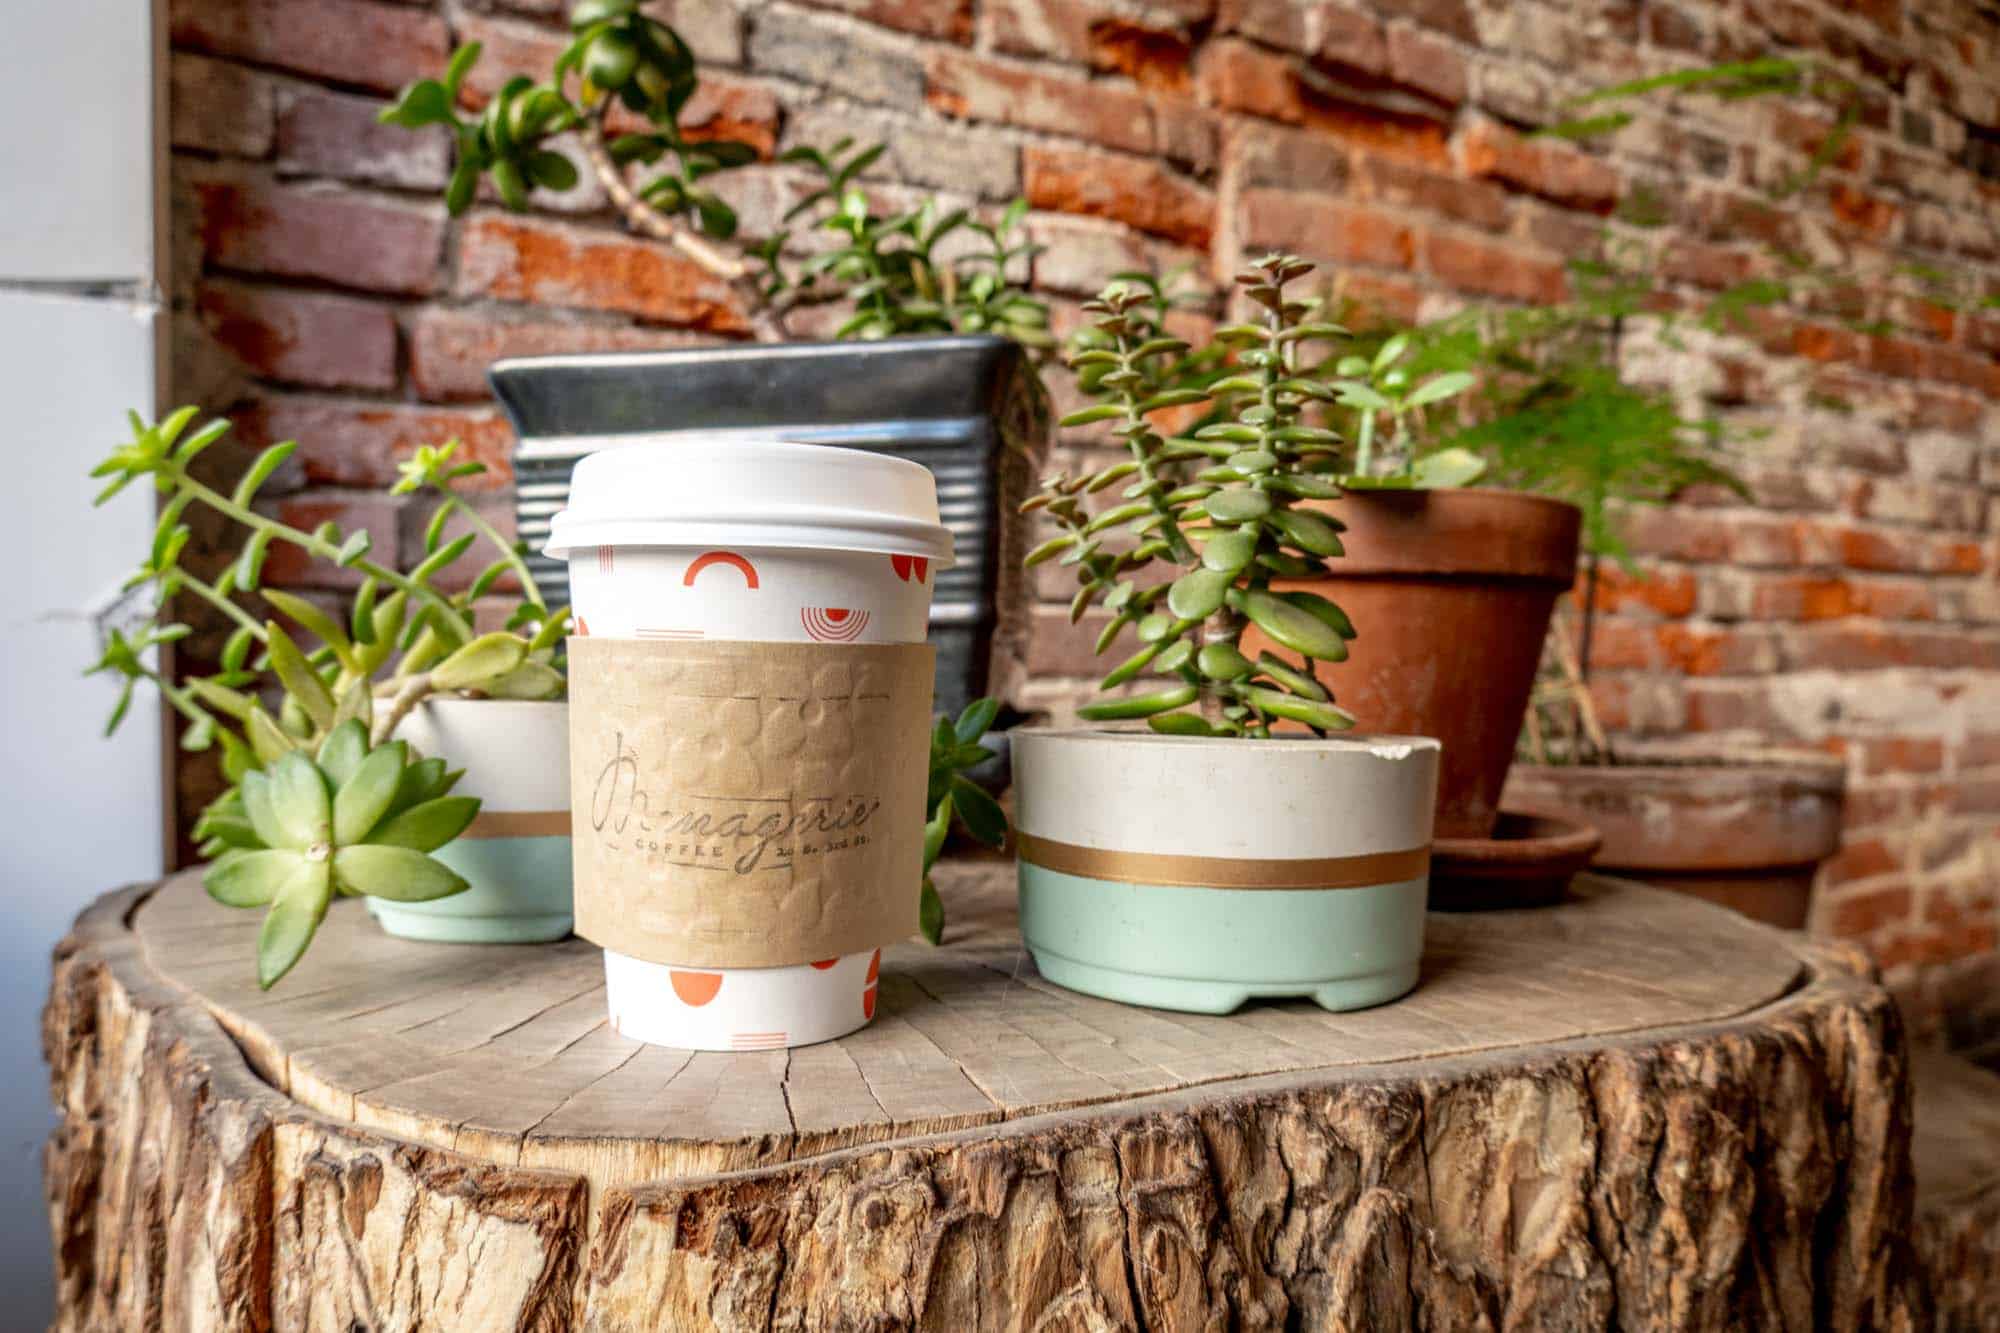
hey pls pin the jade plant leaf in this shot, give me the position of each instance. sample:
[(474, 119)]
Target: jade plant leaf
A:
[(1294, 627)]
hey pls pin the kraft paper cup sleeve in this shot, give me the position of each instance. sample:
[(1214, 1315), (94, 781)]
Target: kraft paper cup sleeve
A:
[(747, 804)]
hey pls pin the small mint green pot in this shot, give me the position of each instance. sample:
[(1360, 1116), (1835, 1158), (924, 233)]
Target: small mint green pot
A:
[(1198, 874), (516, 854)]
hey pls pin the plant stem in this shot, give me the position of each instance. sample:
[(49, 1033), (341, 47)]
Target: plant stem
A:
[(414, 691), (766, 319), (506, 548), (255, 521), (207, 592)]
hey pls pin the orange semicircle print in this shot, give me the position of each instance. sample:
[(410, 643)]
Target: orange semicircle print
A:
[(730, 558), (696, 988)]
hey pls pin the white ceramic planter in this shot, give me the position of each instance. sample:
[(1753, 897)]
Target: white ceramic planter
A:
[(516, 854), (1196, 874)]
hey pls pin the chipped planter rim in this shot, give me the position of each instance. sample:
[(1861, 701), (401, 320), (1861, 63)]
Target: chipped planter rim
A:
[(699, 490), (1198, 874), (759, 542)]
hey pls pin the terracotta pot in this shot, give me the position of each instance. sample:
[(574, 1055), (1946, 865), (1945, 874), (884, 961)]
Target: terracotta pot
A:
[(1450, 593), (1743, 828)]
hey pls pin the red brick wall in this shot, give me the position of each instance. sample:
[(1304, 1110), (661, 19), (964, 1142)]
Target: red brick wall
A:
[(325, 295)]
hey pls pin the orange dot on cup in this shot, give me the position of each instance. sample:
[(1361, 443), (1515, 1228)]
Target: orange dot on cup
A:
[(696, 988)]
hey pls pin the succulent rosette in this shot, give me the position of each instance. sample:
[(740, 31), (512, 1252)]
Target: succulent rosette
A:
[(347, 821)]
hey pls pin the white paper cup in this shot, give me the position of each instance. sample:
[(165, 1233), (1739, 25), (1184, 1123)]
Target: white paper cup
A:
[(792, 543)]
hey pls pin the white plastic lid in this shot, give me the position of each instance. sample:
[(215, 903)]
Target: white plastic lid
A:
[(698, 490)]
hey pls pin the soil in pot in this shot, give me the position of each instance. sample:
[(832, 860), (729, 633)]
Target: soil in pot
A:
[(1197, 874), (1744, 828), (1450, 593)]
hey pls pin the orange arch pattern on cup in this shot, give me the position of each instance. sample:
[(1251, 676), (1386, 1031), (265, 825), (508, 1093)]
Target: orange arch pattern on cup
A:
[(730, 558), (870, 986), (909, 567), (823, 966), (833, 624), (696, 989)]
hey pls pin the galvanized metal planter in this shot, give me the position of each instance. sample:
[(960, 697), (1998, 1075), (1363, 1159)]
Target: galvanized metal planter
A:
[(971, 409)]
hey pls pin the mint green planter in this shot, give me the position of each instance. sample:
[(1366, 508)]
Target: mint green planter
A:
[(1198, 874), (516, 855)]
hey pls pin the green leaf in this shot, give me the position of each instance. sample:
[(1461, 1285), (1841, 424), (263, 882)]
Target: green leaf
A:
[(976, 720), (366, 795), (302, 684), (425, 102), (979, 812), (930, 912), (425, 780), (1131, 666), (1439, 387), (251, 878), (1237, 504), (268, 740), (511, 184), (1049, 550), (1229, 552), (1293, 628), (1448, 467), (293, 919), (1307, 531), (1222, 661), (427, 826), (530, 680), (398, 874), (1085, 416), (1290, 677), (1198, 594), (1312, 712), (1324, 611), (313, 619), (342, 752), (484, 659), (1144, 705), (458, 194), (261, 468), (300, 805), (1181, 724), (462, 61)]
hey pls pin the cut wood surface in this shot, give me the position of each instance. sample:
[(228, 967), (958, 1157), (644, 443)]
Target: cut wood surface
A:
[(1629, 1110)]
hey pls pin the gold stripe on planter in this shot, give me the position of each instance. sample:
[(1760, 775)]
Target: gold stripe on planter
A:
[(1223, 872), (518, 824)]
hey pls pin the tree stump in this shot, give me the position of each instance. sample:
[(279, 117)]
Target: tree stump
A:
[(1632, 1110)]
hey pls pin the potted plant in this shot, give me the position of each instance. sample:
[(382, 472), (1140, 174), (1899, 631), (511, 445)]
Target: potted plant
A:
[(1206, 858), (372, 698), (934, 359)]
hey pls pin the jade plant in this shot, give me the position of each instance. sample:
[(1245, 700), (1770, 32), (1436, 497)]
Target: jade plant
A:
[(1227, 508), (623, 86), (950, 795), (340, 693)]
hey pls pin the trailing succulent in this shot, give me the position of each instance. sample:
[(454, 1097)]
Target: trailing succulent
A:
[(623, 86), (347, 819), (348, 685), (1233, 505)]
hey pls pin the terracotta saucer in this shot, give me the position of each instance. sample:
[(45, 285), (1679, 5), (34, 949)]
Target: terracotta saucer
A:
[(1527, 862)]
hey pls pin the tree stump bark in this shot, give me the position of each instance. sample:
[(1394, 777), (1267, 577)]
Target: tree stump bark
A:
[(1632, 1110)]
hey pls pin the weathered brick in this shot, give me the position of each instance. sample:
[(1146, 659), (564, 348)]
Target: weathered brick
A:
[(1476, 265), (919, 152), (347, 443), (451, 349), (1552, 170), (1405, 185), (303, 337), (1314, 225), (218, 107), (518, 259), (1290, 159), (1851, 914), (378, 515), (975, 88), (866, 66), (947, 19), (1131, 190), (322, 133), (359, 42), (1081, 254), (313, 232), (1429, 64)]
